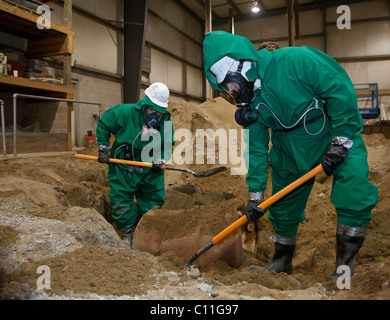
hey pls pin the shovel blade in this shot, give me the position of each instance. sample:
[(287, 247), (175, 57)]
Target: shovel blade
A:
[(209, 173)]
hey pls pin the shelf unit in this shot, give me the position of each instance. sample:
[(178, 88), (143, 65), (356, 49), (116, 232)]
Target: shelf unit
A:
[(21, 22)]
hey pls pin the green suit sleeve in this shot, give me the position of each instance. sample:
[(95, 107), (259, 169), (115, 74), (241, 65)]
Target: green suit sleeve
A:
[(107, 124), (329, 81), (256, 156)]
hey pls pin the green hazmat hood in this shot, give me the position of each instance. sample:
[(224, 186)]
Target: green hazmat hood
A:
[(218, 44), (146, 101)]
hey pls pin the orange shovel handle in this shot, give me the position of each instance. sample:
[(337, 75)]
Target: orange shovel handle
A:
[(113, 160), (312, 173)]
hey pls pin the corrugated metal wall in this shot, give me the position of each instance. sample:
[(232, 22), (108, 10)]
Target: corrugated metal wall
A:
[(175, 37)]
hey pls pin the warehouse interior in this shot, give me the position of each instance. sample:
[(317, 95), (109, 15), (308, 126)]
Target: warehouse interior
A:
[(65, 62), (91, 56)]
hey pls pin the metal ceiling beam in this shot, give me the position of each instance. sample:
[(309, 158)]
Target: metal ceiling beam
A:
[(234, 6), (261, 6), (202, 4), (327, 4), (189, 11), (94, 17), (281, 11)]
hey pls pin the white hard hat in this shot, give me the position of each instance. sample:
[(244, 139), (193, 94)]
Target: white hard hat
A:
[(158, 93), (226, 64)]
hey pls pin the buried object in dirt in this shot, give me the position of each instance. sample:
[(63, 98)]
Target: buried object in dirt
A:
[(182, 231), (202, 174), (265, 204)]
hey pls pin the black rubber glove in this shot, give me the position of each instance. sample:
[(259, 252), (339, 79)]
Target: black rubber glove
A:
[(157, 166), (334, 156), (253, 212), (104, 154)]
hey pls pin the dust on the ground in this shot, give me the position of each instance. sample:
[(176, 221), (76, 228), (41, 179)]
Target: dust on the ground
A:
[(54, 212)]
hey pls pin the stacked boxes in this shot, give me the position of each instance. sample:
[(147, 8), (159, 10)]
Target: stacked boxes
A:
[(3, 63), (39, 70)]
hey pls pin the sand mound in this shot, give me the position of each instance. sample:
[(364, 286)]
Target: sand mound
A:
[(54, 211)]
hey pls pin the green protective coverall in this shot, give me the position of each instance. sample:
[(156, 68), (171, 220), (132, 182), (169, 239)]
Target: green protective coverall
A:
[(125, 122), (291, 80)]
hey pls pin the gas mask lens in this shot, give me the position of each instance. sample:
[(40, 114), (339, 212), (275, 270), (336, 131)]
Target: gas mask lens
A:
[(231, 88), (241, 89)]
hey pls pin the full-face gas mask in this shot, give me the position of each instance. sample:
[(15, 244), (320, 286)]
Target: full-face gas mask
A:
[(150, 118), (242, 93)]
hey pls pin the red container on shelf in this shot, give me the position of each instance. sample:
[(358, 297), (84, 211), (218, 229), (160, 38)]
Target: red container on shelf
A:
[(15, 65)]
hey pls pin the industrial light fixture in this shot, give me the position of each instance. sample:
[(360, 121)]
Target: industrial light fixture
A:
[(255, 7)]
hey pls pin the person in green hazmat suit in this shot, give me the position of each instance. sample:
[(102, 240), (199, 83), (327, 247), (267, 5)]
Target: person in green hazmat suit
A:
[(143, 132), (304, 102)]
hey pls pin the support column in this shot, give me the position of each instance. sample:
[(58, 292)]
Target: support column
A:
[(67, 72), (208, 28), (135, 19), (290, 19), (324, 30), (296, 20), (231, 21), (67, 57)]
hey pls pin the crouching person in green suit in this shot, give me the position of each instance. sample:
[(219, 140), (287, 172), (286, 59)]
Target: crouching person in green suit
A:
[(143, 132)]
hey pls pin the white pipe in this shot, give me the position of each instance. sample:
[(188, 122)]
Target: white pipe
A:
[(383, 112), (18, 95)]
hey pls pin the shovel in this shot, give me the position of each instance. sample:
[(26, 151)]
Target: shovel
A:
[(263, 205), (201, 174)]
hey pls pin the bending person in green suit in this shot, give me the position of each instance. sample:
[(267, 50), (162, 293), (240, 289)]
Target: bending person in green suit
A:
[(308, 101), (143, 132)]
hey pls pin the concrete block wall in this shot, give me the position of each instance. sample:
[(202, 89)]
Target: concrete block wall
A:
[(50, 116), (91, 89)]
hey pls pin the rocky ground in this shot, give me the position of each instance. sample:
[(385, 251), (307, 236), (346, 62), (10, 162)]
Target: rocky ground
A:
[(54, 212)]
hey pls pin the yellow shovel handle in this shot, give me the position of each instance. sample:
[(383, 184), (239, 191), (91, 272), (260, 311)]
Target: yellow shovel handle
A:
[(312, 173), (113, 160)]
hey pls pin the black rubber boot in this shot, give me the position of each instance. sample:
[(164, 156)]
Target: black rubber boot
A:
[(349, 241), (281, 261)]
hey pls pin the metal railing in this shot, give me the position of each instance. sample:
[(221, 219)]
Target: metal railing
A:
[(27, 96), (368, 103)]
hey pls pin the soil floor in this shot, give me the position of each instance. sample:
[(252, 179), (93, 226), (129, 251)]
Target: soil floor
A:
[(54, 212)]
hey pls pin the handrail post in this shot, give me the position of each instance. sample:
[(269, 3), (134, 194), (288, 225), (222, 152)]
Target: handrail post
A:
[(3, 129)]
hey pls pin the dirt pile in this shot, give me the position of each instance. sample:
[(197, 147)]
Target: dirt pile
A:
[(54, 212)]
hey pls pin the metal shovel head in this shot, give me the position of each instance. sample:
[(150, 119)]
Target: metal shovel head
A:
[(210, 172)]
